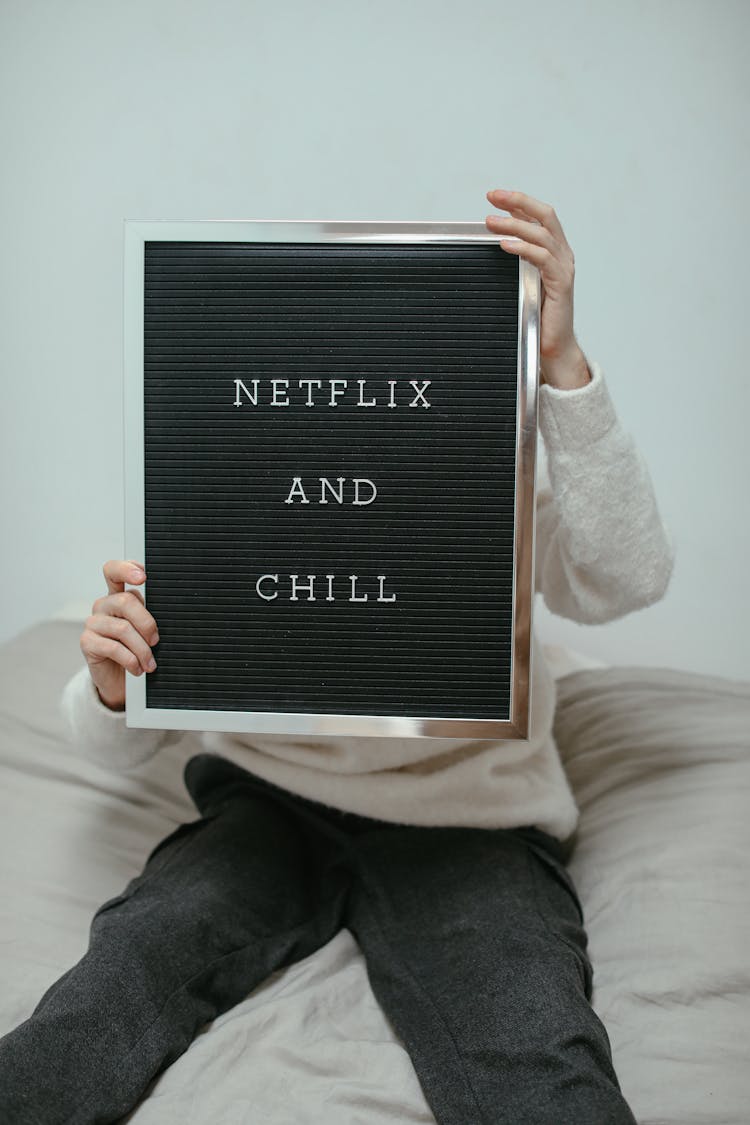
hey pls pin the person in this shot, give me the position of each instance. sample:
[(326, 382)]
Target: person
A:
[(446, 859)]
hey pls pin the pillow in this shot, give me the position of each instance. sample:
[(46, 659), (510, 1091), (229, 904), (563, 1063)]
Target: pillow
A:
[(659, 762)]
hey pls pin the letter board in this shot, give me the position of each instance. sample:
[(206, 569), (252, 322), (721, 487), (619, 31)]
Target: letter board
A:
[(330, 434)]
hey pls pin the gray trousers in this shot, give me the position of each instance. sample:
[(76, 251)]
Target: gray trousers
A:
[(474, 943)]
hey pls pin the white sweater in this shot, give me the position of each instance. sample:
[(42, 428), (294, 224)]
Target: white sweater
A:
[(602, 551)]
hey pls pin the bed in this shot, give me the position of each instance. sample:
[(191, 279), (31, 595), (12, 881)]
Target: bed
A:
[(659, 760)]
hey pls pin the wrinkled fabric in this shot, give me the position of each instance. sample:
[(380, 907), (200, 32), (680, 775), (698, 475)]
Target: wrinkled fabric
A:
[(474, 942)]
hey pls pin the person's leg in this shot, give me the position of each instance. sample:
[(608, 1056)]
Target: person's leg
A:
[(221, 903), (475, 948)]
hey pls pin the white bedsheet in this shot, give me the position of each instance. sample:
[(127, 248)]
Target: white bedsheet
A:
[(660, 765)]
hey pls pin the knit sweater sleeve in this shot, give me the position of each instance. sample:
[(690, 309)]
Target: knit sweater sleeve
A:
[(100, 734), (602, 549)]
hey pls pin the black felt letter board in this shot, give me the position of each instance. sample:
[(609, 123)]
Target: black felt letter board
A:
[(225, 478)]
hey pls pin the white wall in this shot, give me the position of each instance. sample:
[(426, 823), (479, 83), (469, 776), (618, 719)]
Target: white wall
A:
[(631, 118)]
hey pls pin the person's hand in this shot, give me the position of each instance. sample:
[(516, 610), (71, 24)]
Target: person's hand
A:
[(541, 241), (119, 633)]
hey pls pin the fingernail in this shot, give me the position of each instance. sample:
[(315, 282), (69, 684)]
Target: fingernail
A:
[(151, 665), (155, 639), (136, 574)]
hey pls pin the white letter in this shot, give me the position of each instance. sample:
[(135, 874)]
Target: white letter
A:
[(325, 481), (293, 489), (259, 592), (309, 382), (276, 391), (425, 383), (381, 578), (309, 587), (392, 384), (354, 586), (254, 400), (343, 383), (361, 392), (363, 480), (329, 595)]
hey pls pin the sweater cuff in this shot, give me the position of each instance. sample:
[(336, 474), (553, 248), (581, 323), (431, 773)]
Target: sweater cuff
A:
[(80, 694), (82, 707), (574, 419), (102, 735), (98, 732)]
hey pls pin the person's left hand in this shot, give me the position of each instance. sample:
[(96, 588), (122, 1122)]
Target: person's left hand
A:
[(539, 238)]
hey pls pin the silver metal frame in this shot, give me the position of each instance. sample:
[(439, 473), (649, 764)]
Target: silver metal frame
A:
[(137, 233)]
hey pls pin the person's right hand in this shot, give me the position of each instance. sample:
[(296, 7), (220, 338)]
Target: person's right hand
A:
[(119, 633)]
